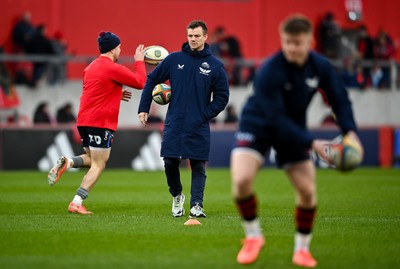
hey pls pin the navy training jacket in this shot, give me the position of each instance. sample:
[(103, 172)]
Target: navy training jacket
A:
[(283, 92), (200, 91)]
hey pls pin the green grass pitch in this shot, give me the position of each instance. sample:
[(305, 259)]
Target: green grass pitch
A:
[(357, 225)]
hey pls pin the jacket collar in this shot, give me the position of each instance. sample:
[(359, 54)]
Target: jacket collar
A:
[(203, 53)]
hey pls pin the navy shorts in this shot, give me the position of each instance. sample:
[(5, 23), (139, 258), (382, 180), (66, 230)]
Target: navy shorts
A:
[(96, 137), (285, 152)]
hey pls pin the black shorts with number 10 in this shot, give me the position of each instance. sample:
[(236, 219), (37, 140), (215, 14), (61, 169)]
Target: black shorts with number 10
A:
[(96, 137)]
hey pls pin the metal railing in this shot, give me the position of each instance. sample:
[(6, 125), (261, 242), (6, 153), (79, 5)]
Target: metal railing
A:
[(242, 63)]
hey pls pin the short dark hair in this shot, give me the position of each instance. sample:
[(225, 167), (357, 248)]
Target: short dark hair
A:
[(296, 24), (198, 23)]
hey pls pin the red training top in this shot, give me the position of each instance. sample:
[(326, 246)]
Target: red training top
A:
[(102, 91)]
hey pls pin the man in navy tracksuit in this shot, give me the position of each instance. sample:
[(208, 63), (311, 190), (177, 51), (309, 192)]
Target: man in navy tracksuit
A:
[(275, 116), (200, 91)]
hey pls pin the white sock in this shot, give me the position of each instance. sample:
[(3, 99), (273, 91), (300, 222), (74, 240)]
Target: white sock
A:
[(70, 163), (77, 200), (302, 241), (252, 228)]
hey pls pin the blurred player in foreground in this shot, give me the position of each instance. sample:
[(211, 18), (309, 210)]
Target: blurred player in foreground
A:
[(275, 116), (200, 91), (98, 113)]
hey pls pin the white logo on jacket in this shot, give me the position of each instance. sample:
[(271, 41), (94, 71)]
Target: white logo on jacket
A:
[(204, 71), (205, 65), (180, 66), (312, 82)]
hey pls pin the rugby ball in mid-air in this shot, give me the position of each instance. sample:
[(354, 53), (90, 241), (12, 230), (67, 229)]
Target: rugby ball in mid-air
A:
[(155, 54), (162, 94), (346, 153)]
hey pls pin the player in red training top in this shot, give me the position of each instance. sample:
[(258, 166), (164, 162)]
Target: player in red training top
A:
[(98, 113)]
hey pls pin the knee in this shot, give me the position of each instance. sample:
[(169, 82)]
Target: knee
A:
[(170, 163), (307, 195), (242, 179), (100, 166), (243, 182), (242, 185), (198, 168)]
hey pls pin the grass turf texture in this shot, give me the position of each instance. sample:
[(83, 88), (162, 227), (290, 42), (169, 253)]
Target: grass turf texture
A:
[(357, 226)]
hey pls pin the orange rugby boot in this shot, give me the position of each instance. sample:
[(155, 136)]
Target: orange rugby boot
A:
[(58, 169), (250, 250), (73, 208), (304, 258)]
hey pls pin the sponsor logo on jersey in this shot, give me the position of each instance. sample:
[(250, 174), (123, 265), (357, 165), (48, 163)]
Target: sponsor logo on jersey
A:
[(312, 82)]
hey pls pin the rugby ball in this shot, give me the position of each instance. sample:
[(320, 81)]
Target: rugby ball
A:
[(155, 54), (162, 94), (346, 153)]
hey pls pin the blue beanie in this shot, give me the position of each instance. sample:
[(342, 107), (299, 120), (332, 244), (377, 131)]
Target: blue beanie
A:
[(107, 41)]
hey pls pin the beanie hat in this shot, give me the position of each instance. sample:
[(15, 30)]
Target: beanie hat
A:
[(107, 41)]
